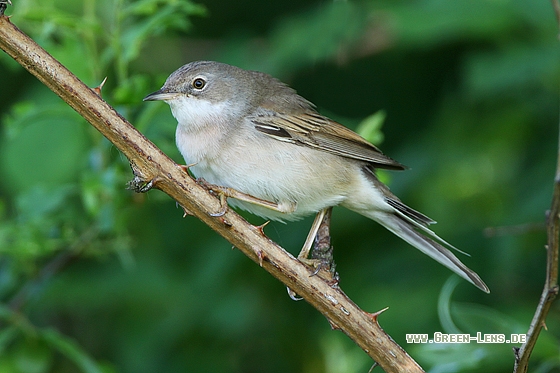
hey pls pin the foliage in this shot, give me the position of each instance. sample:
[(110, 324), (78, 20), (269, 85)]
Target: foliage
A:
[(96, 279)]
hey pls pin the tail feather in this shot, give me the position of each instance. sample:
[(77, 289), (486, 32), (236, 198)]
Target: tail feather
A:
[(407, 229), (412, 226), (419, 221)]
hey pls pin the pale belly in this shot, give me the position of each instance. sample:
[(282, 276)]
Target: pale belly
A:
[(285, 173)]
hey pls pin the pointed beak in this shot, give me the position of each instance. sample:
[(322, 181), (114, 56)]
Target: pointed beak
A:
[(161, 95)]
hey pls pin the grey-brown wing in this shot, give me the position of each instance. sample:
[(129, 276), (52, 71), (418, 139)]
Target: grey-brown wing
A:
[(317, 131)]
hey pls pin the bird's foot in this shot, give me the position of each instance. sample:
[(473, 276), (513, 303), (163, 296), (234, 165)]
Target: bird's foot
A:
[(223, 193)]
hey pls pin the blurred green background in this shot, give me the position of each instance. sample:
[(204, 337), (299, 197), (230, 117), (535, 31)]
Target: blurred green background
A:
[(94, 278)]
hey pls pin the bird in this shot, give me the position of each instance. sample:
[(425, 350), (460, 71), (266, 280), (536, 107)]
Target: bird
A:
[(269, 148)]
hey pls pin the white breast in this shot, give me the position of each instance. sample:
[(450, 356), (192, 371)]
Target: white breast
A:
[(201, 127), (233, 154)]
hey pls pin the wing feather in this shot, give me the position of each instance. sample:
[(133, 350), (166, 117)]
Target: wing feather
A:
[(316, 131)]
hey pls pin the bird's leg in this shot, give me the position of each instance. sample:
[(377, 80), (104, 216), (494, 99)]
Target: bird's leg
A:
[(224, 193), (321, 255), (140, 183), (322, 252), (304, 253)]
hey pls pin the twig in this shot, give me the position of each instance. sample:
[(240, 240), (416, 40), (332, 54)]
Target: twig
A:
[(46, 272), (514, 230), (550, 290), (151, 165), (556, 8)]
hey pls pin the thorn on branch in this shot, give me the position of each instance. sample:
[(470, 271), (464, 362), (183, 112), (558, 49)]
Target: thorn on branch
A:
[(185, 167), (375, 315), (186, 211), (225, 222), (99, 87), (333, 325), (260, 228)]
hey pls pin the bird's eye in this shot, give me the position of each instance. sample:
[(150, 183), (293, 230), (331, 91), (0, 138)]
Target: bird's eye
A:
[(198, 83)]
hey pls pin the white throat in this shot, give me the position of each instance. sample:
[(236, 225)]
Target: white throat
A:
[(195, 114), (202, 125)]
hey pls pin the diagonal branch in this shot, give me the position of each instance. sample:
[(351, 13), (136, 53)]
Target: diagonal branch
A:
[(152, 166), (550, 290)]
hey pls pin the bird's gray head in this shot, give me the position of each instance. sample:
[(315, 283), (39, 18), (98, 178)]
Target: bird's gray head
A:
[(209, 82)]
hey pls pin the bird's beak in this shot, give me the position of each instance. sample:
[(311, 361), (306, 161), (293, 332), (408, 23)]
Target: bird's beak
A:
[(161, 95)]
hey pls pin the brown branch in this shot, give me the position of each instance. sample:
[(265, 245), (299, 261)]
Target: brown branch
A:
[(550, 290), (556, 8), (150, 164)]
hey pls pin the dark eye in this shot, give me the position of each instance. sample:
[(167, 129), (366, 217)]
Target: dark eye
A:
[(198, 83)]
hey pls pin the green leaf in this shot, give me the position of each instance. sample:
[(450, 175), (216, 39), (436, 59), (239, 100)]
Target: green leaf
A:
[(31, 356), (169, 15), (39, 201), (370, 127), (49, 147)]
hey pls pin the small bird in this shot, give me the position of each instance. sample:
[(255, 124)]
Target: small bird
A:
[(254, 136)]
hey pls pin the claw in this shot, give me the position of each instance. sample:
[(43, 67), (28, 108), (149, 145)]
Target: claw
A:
[(218, 214), (214, 189), (141, 186), (335, 281), (321, 264), (293, 295), (373, 367), (223, 206)]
